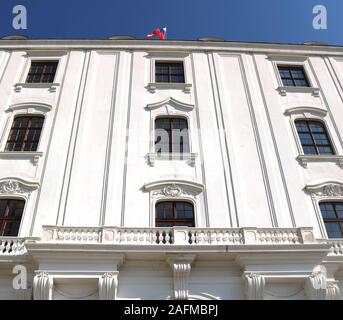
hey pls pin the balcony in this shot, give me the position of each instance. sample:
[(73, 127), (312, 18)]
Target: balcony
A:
[(11, 246), (169, 237)]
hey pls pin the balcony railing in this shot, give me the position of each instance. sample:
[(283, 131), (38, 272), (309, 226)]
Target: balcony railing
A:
[(10, 246), (178, 235), (336, 246)]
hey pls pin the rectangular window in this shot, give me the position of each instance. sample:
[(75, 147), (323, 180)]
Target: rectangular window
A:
[(293, 76), (332, 213), (25, 133), (171, 135), (11, 211), (314, 138), (169, 72), (42, 72)]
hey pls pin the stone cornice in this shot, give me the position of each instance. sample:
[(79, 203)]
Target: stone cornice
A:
[(170, 45)]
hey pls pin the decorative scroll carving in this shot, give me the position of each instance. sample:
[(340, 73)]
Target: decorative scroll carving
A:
[(326, 190), (12, 186), (332, 291), (255, 285), (181, 267), (173, 191), (316, 286), (108, 286), (42, 286)]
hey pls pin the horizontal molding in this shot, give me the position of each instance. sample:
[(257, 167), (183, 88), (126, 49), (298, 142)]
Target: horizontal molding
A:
[(304, 160), (153, 86), (285, 90), (190, 158), (50, 86), (23, 155), (306, 110)]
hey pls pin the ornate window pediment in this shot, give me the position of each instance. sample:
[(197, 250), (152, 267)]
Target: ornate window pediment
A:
[(16, 186), (327, 189), (174, 189), (32, 107), (306, 111), (171, 103)]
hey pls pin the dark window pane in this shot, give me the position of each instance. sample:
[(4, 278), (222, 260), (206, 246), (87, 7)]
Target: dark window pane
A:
[(332, 213), (169, 72), (313, 137), (24, 131), (175, 213), (42, 72), (11, 211), (171, 135), (293, 76)]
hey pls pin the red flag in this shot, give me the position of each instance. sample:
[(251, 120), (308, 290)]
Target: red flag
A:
[(157, 32)]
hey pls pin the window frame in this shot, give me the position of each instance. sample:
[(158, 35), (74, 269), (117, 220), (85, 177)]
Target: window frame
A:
[(30, 116), (326, 132), (42, 74), (169, 56), (294, 66), (174, 202), (14, 198), (59, 56), (338, 220), (314, 114), (171, 153), (170, 62)]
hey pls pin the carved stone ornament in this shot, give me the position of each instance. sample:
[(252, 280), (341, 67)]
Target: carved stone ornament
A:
[(173, 191), (181, 266), (316, 286), (332, 291), (108, 285), (42, 286), (255, 285), (15, 187), (328, 190)]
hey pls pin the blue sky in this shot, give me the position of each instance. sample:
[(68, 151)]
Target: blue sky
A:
[(284, 21)]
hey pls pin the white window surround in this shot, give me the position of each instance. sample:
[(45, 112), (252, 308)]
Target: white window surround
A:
[(299, 61), (13, 111), (169, 56), (32, 56), (173, 190), (324, 192), (173, 108), (18, 188), (316, 114)]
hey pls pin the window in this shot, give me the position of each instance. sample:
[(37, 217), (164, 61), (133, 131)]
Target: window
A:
[(174, 213), (169, 72), (332, 213), (42, 72), (293, 76), (25, 133), (314, 138), (171, 135), (11, 211)]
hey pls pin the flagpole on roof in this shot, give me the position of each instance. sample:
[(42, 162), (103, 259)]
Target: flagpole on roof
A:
[(165, 33)]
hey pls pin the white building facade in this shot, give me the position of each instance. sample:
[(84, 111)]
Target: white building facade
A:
[(247, 204)]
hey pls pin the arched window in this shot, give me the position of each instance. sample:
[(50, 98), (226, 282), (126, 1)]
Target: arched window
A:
[(332, 213), (174, 213), (171, 135), (11, 211), (25, 133), (314, 137)]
